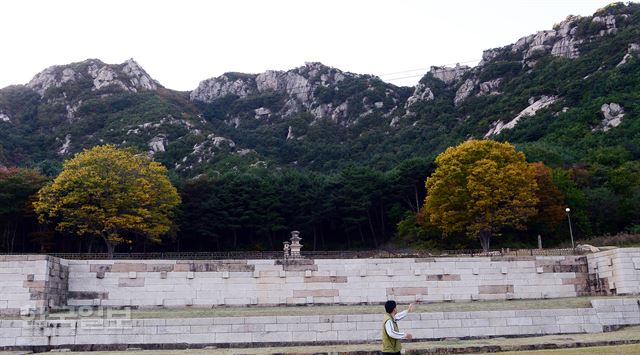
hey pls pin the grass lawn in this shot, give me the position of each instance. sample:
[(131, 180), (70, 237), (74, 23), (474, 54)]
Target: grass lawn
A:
[(615, 349), (626, 349), (431, 347), (196, 312)]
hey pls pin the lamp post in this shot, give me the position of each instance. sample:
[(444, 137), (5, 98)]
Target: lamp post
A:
[(570, 230)]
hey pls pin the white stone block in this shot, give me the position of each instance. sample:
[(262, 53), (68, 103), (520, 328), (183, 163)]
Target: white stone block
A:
[(519, 321), (449, 323), (270, 337), (475, 322), (320, 327), (197, 338), (30, 341), (330, 335), (439, 333), (482, 331), (352, 335), (7, 341), (592, 328), (234, 337), (571, 328)]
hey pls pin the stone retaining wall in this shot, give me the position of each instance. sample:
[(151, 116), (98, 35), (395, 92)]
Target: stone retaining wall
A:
[(38, 283), (120, 333), (615, 271), (34, 282), (150, 283)]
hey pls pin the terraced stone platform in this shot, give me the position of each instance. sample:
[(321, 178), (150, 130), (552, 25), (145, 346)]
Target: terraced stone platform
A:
[(286, 328)]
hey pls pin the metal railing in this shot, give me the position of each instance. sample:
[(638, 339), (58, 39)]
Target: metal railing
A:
[(351, 254)]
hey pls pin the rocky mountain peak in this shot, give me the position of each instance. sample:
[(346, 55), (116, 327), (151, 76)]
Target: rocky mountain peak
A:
[(320, 90), (298, 86), (563, 40), (297, 82), (128, 76)]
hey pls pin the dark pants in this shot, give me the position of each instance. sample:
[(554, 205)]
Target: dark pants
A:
[(398, 353)]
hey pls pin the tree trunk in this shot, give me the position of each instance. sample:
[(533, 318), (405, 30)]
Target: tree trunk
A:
[(373, 232), (485, 239), (90, 245), (5, 240), (346, 232), (110, 247), (23, 237), (315, 237), (235, 239), (415, 190), (384, 230), (13, 227)]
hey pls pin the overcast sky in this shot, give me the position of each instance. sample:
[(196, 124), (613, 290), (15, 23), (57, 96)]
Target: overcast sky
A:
[(181, 42)]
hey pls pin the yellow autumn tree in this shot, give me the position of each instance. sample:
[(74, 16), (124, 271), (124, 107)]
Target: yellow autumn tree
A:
[(478, 188), (110, 193)]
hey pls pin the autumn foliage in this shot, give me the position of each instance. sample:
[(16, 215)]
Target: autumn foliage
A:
[(480, 187), (110, 193)]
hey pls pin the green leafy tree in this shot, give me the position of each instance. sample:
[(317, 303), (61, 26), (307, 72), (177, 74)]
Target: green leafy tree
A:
[(575, 198), (112, 194), (480, 187)]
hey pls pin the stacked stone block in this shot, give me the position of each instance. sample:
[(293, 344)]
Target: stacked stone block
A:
[(615, 271), (32, 283), (613, 313), (150, 283), (39, 283), (313, 329)]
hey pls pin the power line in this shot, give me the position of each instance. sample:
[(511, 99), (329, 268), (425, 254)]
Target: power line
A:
[(427, 69), (405, 77)]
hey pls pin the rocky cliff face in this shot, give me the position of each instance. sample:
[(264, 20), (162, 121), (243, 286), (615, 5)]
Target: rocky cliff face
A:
[(128, 76), (564, 40), (313, 88), (295, 112), (65, 89)]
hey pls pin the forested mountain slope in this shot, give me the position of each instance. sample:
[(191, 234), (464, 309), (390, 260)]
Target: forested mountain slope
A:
[(567, 96)]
